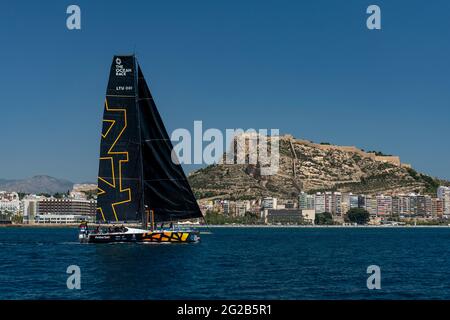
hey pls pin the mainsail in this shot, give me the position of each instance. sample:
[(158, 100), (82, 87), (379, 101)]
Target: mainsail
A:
[(136, 171)]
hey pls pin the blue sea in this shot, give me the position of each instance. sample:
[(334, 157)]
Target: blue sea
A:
[(230, 263)]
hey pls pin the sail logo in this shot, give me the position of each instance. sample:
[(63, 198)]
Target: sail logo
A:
[(115, 124), (121, 71), (251, 147)]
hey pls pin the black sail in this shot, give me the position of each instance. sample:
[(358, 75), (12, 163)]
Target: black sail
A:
[(167, 190), (136, 168), (119, 189)]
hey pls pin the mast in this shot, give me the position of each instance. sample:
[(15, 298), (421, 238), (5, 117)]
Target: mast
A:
[(144, 216)]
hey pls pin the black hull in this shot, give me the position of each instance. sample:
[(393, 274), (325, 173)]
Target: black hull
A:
[(151, 236)]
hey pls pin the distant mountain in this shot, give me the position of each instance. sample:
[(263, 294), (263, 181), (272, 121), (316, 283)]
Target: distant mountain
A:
[(311, 167), (36, 185)]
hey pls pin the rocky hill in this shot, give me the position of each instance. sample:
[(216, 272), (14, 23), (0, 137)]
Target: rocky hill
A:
[(36, 185), (311, 167)]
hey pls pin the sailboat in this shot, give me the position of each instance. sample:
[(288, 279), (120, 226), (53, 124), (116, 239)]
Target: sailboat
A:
[(139, 180)]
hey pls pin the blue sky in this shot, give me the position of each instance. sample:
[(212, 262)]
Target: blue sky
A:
[(309, 68)]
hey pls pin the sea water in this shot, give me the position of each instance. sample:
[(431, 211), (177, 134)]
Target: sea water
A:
[(230, 263)]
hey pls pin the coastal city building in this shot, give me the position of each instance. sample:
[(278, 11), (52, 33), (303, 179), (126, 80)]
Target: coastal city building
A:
[(306, 201), (242, 207), (437, 207), (269, 203), (384, 205), (309, 215), (10, 206), (371, 205), (443, 193), (319, 202), (353, 201), (283, 216), (30, 208), (328, 201), (77, 207), (65, 210), (289, 216)]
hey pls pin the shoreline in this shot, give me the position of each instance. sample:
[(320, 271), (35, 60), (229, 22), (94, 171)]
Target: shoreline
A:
[(237, 226)]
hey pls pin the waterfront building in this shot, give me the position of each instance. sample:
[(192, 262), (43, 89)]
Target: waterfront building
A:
[(269, 203), (336, 203), (437, 207), (285, 204), (30, 208), (306, 201), (353, 201), (443, 193), (418, 205), (361, 201), (51, 210), (428, 206), (10, 207), (401, 205), (384, 205), (329, 202), (289, 204), (242, 207), (62, 218), (345, 203), (284, 216), (404, 203), (309, 215), (371, 205), (227, 208), (319, 202), (395, 206)]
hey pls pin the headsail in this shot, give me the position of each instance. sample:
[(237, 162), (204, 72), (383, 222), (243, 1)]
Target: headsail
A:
[(136, 167), (167, 190)]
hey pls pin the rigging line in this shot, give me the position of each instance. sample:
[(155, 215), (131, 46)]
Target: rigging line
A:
[(206, 223)]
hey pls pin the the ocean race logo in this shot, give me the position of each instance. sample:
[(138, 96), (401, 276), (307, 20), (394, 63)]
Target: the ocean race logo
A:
[(236, 146), (121, 71)]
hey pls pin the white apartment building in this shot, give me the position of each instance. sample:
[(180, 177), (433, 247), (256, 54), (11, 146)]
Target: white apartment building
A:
[(9, 203), (12, 207), (319, 202), (30, 208), (306, 201), (443, 193)]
